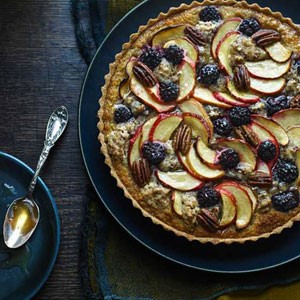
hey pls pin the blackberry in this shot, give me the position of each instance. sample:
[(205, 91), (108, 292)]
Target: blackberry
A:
[(249, 26), (174, 54), (208, 197), (222, 126), (240, 116), (297, 66), (274, 105), (122, 114), (209, 13), (168, 91), (266, 151), (151, 57), (154, 152), (229, 159), (286, 171), (208, 74), (285, 201)]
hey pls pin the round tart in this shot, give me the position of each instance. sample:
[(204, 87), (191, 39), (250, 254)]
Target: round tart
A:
[(200, 121)]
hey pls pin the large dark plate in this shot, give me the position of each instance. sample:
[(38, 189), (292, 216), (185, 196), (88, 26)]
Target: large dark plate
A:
[(23, 271), (249, 257)]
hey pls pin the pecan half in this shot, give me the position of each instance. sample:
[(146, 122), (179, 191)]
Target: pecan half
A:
[(244, 133), (266, 37), (295, 102), (141, 171), (241, 78), (208, 219), (182, 139), (194, 35), (144, 74), (260, 179)]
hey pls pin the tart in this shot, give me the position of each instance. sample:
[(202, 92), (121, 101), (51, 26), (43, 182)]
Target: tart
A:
[(200, 121)]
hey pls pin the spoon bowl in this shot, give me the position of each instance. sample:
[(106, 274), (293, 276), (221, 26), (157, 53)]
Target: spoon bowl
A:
[(23, 214)]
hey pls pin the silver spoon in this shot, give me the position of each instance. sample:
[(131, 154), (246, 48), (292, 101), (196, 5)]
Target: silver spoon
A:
[(23, 214)]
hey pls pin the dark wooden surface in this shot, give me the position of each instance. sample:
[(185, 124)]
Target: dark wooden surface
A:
[(40, 69)]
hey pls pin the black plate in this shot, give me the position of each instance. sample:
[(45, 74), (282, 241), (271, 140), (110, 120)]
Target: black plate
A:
[(23, 271), (249, 257)]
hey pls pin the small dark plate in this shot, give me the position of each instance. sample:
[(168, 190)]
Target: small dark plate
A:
[(249, 257), (23, 271)]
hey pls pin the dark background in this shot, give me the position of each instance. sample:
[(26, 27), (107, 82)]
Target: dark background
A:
[(40, 69)]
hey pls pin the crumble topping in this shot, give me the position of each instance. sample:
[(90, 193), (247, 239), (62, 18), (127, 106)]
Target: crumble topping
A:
[(190, 206)]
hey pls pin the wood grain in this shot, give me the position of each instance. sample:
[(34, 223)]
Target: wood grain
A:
[(40, 69)]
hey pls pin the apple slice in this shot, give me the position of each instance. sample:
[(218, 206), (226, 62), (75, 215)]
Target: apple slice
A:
[(134, 146), (205, 96), (294, 136), (189, 49), (195, 107), (267, 86), (263, 167), (208, 155), (168, 33), (278, 132), (228, 212), (129, 66), (246, 154), (164, 127), (226, 98), (223, 50), (141, 92), (198, 167), (183, 160), (297, 161), (124, 88), (187, 80), (245, 97), (251, 195), (278, 52), (267, 69), (198, 126), (243, 204), (176, 198), (227, 26), (146, 129), (287, 118), (178, 180)]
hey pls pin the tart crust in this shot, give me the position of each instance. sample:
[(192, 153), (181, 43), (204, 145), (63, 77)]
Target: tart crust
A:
[(264, 225)]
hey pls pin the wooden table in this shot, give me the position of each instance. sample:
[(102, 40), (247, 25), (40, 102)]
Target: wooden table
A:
[(40, 69)]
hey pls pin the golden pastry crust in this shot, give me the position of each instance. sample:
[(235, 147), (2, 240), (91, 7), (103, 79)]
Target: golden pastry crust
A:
[(262, 225)]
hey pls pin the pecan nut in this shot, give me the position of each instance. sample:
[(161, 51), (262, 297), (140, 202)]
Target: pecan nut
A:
[(266, 37), (141, 171), (244, 133), (144, 74), (260, 179), (182, 139), (208, 219), (194, 35), (241, 78), (295, 102)]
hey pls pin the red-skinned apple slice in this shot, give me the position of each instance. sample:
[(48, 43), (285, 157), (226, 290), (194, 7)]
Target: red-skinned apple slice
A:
[(195, 107), (223, 49), (164, 127), (227, 26), (294, 136), (243, 204), (168, 33), (278, 52), (146, 129), (228, 212), (176, 198), (267, 86), (263, 167), (245, 97), (288, 118), (246, 154), (199, 168), (183, 160), (251, 195), (141, 92), (189, 49), (187, 80), (179, 180), (208, 155), (134, 146), (267, 69), (198, 126), (124, 88), (228, 99), (205, 96), (129, 66)]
